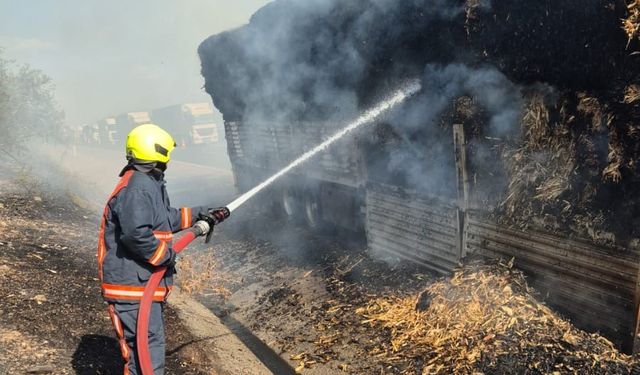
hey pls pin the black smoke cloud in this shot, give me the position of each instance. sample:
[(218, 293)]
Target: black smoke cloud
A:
[(442, 84), (327, 60), (308, 58), (323, 59), (422, 158)]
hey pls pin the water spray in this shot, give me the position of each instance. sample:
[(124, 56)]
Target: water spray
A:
[(366, 118), (205, 226)]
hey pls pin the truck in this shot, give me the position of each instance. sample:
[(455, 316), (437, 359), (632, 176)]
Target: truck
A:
[(127, 121), (441, 183), (190, 123), (90, 134), (107, 131)]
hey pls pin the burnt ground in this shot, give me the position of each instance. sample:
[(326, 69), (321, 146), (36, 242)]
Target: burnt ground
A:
[(300, 294), (52, 318)]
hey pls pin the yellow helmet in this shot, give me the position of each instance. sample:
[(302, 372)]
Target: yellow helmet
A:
[(149, 142)]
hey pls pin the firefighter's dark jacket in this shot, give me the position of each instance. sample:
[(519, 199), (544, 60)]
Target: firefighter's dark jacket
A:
[(135, 236)]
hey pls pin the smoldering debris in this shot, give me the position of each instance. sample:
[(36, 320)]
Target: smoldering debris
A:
[(575, 162), (631, 94), (485, 319), (349, 313), (539, 169), (631, 23)]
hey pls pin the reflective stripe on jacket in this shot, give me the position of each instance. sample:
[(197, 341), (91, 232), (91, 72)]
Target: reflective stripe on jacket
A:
[(135, 236)]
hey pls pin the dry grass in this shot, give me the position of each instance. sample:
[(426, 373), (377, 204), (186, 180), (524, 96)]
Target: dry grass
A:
[(470, 8), (591, 107), (612, 171), (479, 315), (631, 94), (200, 274), (631, 24), (535, 122), (601, 122), (541, 166), (559, 166)]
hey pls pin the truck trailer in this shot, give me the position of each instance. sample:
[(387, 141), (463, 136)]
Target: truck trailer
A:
[(500, 157), (107, 131), (190, 124), (127, 121)]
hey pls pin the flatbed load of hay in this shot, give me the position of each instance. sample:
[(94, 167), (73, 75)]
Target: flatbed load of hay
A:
[(574, 167)]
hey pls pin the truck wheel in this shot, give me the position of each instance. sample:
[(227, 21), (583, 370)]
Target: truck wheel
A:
[(290, 203), (312, 210)]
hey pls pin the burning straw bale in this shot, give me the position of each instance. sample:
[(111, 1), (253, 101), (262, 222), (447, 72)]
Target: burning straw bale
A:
[(480, 319), (575, 161), (540, 168)]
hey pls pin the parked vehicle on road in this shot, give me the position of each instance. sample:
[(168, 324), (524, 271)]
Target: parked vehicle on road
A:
[(190, 123)]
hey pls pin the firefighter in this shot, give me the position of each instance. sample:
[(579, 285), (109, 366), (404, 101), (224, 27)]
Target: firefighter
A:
[(135, 237)]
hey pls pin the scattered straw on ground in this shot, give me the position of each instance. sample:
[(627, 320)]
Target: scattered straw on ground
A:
[(200, 274), (478, 318)]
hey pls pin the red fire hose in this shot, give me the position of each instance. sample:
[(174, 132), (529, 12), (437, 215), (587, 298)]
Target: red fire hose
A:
[(142, 328)]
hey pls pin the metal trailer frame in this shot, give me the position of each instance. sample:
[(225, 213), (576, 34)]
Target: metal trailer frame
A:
[(582, 280)]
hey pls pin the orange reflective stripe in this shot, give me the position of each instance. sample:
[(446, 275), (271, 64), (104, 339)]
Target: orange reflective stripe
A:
[(185, 217), (102, 252), (124, 348), (159, 254), (130, 288), (102, 248), (131, 293), (117, 325), (163, 236)]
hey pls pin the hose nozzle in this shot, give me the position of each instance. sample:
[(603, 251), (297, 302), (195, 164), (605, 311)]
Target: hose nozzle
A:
[(202, 227)]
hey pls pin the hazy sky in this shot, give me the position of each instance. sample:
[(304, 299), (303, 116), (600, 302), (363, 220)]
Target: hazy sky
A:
[(109, 57)]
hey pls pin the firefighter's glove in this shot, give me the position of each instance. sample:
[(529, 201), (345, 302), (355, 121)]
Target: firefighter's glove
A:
[(171, 262), (213, 217), (219, 214)]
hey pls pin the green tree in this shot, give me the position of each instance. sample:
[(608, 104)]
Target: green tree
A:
[(28, 109)]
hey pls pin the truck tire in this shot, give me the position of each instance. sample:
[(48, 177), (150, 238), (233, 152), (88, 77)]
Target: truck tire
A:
[(312, 212), (291, 205)]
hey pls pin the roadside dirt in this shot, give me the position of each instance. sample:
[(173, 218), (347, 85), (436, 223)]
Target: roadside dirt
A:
[(52, 318), (298, 294), (324, 309)]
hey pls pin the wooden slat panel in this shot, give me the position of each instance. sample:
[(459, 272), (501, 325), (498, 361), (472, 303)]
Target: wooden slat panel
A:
[(274, 145), (412, 228)]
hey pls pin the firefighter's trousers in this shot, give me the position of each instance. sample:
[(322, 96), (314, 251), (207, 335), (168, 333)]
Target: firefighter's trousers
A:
[(125, 317)]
